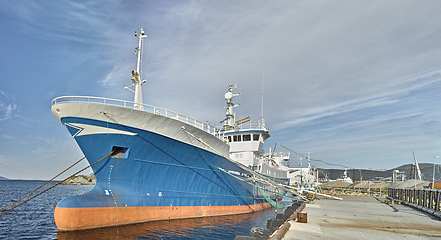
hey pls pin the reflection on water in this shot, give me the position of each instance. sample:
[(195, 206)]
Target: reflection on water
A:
[(222, 227)]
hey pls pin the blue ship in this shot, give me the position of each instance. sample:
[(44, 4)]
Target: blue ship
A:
[(155, 164)]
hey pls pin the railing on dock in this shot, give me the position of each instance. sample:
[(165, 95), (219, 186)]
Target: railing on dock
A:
[(147, 108), (428, 200)]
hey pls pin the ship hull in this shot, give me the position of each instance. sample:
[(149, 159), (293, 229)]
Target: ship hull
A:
[(161, 169), (72, 219)]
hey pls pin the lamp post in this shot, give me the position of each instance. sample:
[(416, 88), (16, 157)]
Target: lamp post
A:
[(433, 175)]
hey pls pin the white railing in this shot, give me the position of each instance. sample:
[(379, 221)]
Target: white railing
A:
[(255, 126), (147, 108)]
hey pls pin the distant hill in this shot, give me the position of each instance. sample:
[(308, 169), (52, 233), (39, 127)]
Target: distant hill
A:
[(426, 171), (354, 174), (3, 178)]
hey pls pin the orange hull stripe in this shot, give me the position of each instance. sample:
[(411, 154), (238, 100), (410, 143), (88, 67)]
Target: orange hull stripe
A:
[(70, 219)]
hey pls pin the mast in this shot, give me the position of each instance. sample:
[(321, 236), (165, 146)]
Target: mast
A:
[(137, 74), (229, 123)]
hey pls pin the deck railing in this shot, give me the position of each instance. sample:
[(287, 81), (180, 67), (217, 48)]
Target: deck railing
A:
[(147, 108), (247, 126), (428, 200)]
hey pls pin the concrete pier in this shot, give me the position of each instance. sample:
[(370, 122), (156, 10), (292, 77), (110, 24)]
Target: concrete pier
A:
[(363, 217)]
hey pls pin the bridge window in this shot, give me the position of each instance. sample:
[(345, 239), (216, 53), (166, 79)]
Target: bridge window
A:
[(256, 137), (246, 137), (237, 138)]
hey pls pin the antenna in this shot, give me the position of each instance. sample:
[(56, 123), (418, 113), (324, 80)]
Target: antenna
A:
[(309, 160)]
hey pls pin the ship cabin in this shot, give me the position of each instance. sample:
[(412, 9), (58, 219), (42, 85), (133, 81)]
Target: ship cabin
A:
[(246, 147), (246, 143)]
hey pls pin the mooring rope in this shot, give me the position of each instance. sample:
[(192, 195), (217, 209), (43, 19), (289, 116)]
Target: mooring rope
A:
[(302, 199), (256, 174), (6, 210), (232, 190)]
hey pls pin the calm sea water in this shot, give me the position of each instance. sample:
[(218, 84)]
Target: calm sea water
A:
[(34, 220)]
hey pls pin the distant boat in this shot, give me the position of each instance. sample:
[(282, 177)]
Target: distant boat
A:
[(345, 178), (304, 177), (164, 165)]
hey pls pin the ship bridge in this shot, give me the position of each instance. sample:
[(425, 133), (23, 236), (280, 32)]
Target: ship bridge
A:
[(245, 139), (246, 145)]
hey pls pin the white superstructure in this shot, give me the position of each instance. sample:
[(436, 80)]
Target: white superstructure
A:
[(246, 142)]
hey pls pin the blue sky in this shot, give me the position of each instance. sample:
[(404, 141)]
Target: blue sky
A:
[(356, 83)]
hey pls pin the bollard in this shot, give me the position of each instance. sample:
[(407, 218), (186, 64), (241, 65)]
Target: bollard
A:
[(302, 217)]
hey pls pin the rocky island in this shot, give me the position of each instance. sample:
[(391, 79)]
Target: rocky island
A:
[(81, 180)]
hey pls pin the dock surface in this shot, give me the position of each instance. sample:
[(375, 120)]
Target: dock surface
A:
[(364, 217)]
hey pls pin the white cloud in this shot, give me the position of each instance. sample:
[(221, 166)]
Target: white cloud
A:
[(118, 75), (383, 95), (8, 107), (321, 55), (7, 111)]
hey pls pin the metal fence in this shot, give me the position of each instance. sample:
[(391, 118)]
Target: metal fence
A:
[(428, 200)]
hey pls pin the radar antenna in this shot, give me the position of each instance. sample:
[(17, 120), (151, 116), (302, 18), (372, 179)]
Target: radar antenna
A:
[(229, 122)]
